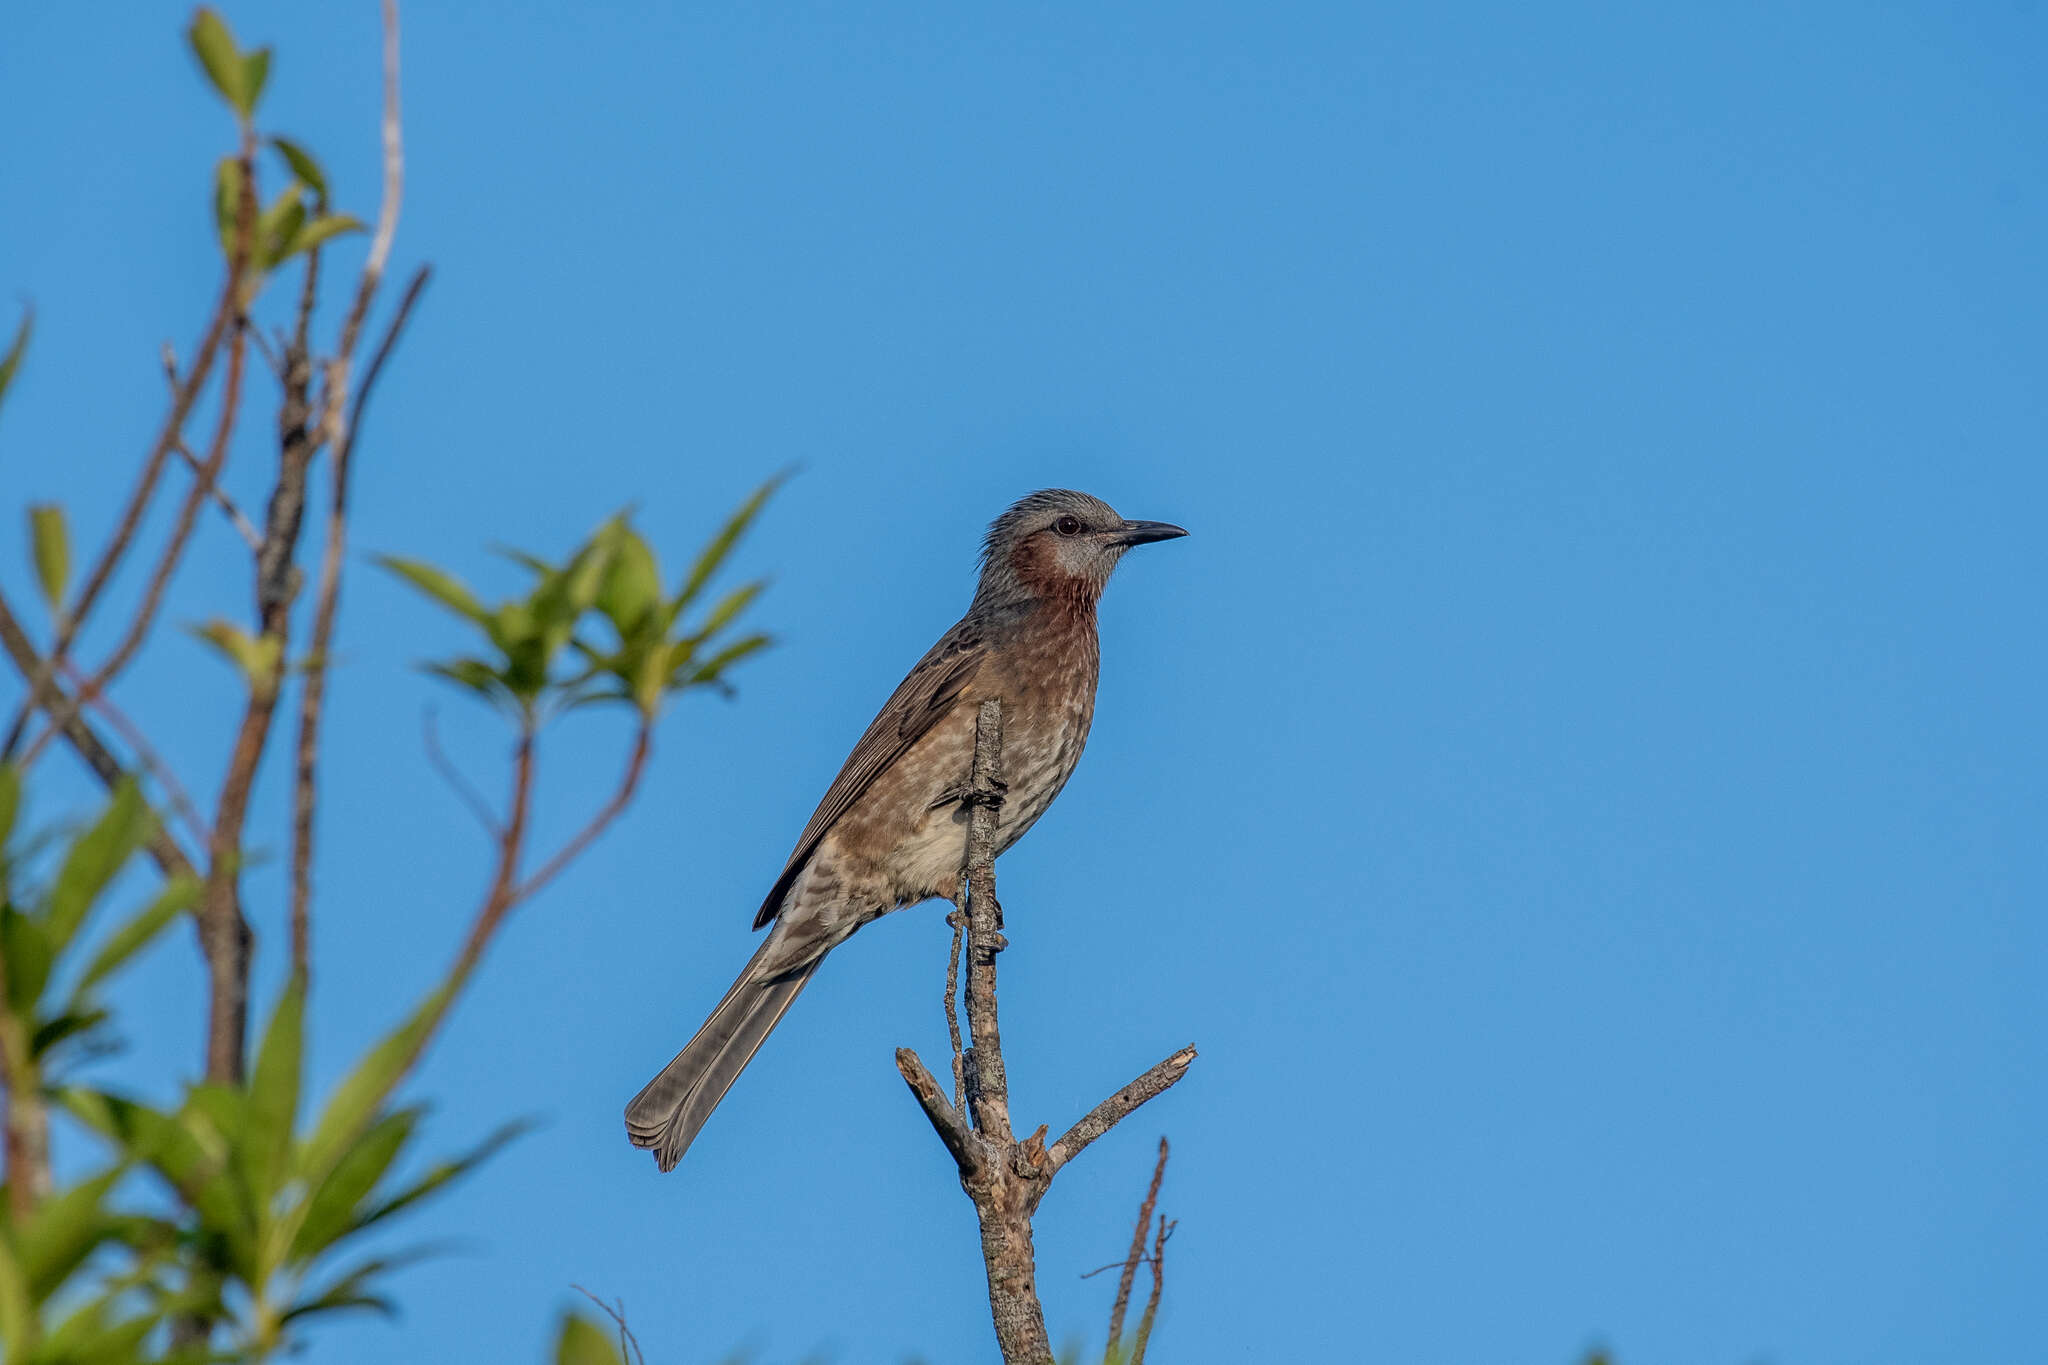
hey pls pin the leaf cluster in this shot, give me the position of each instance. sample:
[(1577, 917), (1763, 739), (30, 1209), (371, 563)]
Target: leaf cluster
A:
[(599, 627), (264, 1216), (297, 220)]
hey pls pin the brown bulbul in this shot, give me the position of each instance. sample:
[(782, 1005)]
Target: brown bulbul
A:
[(892, 830)]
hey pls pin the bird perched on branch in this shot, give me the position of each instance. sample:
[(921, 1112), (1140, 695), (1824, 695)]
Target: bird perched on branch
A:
[(892, 830)]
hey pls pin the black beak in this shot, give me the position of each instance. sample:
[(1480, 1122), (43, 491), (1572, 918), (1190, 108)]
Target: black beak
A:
[(1145, 532)]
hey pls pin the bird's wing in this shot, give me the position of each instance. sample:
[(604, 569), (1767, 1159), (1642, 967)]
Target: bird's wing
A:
[(921, 701)]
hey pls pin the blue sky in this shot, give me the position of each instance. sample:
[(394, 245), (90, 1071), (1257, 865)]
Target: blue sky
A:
[(1581, 785)]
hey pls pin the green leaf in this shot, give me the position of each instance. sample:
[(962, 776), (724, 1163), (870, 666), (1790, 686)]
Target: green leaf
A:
[(255, 73), (10, 803), (348, 1291), (274, 1097), (474, 674), (91, 1336), (225, 66), (255, 657), (94, 858), (277, 225), (524, 559), (319, 230), (712, 670), (583, 1342), (444, 1173), (332, 1209), (52, 546), (511, 626), (714, 554), (62, 1232), (304, 167), (28, 955), (167, 1146), (131, 938), (632, 582), (227, 203), (215, 1114), (443, 588), (11, 361), (363, 1091), (585, 575), (17, 1309), (729, 607), (56, 1029)]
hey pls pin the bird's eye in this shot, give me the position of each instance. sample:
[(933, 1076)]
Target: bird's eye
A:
[(1068, 526)]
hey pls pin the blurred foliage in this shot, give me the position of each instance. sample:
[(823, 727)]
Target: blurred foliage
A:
[(255, 1221), (225, 1225), (598, 627)]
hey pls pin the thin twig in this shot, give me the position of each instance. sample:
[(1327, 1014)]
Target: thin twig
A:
[(152, 763), (380, 239), (959, 923), (511, 847), (618, 1314), (1113, 1265), (1131, 1260), (207, 483), (269, 353), (183, 396), (431, 737), (46, 695), (1166, 1228), (568, 853), (140, 624), (313, 696)]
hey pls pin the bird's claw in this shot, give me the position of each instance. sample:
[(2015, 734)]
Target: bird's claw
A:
[(965, 795)]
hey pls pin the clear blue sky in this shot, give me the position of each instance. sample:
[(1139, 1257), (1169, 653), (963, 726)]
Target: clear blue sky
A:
[(1582, 784)]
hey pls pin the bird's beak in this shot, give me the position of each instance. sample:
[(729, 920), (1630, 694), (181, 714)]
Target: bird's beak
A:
[(1145, 532)]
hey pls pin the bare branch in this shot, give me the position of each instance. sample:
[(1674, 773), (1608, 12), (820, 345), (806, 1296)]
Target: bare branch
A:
[(946, 1120), (1118, 1107), (313, 696), (988, 1097), (1137, 1254), (1005, 1178)]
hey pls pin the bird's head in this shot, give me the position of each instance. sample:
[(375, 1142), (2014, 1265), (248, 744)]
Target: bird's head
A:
[(1057, 544)]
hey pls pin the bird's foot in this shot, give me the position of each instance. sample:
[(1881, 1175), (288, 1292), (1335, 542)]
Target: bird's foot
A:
[(963, 794)]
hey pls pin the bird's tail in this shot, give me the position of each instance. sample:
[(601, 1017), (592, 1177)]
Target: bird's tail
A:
[(668, 1113)]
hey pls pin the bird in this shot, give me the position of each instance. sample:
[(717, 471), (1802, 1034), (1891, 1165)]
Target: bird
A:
[(891, 830)]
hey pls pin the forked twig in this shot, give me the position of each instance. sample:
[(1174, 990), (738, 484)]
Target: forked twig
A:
[(1006, 1178), (1130, 1263), (629, 1345), (1166, 1227)]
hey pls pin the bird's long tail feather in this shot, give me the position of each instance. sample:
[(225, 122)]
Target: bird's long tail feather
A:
[(667, 1115)]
